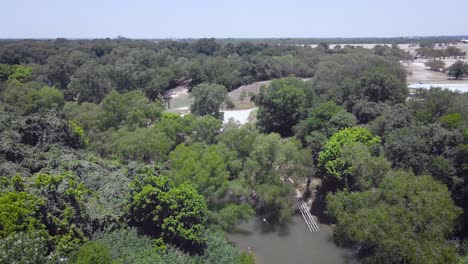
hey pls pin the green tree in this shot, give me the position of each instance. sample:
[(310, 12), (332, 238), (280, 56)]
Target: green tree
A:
[(458, 69), (377, 87), (127, 247), (201, 165), (61, 67), (436, 65), (132, 109), (177, 214), (330, 162), (20, 72), (207, 46), (91, 252), (414, 147), (451, 121), (89, 83), (19, 212), (208, 99), (364, 170), (281, 105), (408, 219), (230, 216), (24, 248), (142, 144), (28, 99), (326, 118)]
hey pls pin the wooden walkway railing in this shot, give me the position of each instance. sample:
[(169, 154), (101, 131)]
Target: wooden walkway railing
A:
[(308, 218)]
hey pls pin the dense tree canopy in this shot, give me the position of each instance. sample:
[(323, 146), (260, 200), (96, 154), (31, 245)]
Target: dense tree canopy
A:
[(175, 213), (93, 169), (282, 104), (405, 220)]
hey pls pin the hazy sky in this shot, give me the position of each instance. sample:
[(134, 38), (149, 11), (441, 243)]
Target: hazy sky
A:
[(235, 18)]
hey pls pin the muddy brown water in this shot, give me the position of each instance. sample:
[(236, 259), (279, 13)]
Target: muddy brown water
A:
[(293, 244)]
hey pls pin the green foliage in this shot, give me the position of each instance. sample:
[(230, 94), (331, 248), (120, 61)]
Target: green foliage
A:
[(79, 132), (66, 213), (219, 250), (406, 220), (208, 99), (398, 116), (276, 202), (436, 65), (143, 144), (238, 138), (201, 166), (413, 147), (91, 252), (169, 115), (80, 194), (281, 105), (20, 72), (326, 118), (377, 86), (329, 161), (272, 158), (24, 248), (131, 109), (16, 72), (177, 214), (364, 171), (458, 69), (127, 247), (29, 98), (451, 121), (231, 214), (20, 212), (88, 83), (430, 105), (247, 258), (61, 67)]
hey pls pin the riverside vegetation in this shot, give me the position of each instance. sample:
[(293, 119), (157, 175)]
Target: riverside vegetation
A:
[(94, 170)]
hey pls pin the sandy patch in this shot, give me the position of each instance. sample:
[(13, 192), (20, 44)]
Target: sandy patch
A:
[(240, 97), (241, 116)]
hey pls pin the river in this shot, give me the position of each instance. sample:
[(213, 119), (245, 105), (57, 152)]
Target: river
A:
[(294, 244)]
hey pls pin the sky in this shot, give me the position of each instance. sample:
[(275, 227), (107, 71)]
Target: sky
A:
[(235, 18)]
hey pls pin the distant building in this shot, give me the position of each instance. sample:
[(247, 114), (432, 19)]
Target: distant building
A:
[(464, 40)]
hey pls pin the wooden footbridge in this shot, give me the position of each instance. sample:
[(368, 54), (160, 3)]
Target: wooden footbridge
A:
[(308, 218)]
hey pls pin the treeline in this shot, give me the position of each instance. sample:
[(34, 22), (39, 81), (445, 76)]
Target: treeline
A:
[(429, 50), (95, 171), (87, 70), (311, 41)]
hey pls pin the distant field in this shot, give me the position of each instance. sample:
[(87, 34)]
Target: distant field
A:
[(418, 72)]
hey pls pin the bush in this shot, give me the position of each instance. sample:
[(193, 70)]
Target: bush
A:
[(91, 252)]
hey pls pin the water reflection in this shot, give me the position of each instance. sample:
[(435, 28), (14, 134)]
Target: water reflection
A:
[(292, 243)]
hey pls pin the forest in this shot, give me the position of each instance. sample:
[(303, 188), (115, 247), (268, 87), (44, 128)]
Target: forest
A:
[(93, 169)]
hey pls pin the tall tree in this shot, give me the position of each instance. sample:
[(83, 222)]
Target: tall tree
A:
[(177, 214), (458, 69), (281, 105)]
